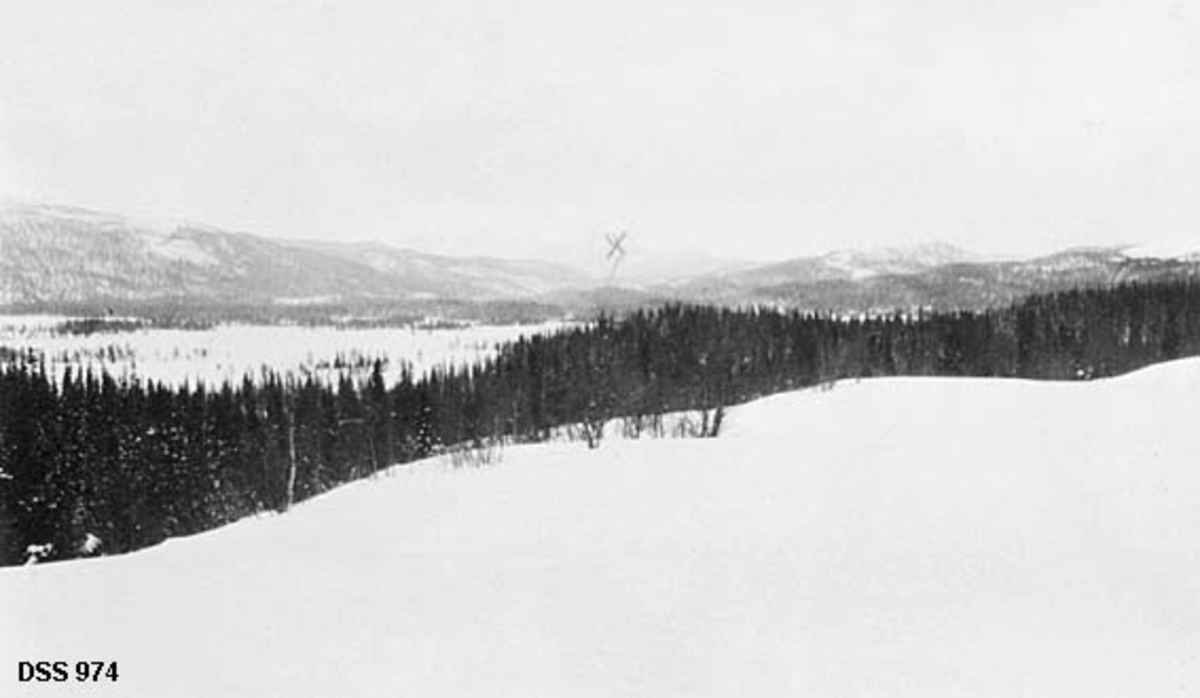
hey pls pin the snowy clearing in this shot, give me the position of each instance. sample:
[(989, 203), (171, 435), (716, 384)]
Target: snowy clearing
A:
[(229, 352), (894, 537)]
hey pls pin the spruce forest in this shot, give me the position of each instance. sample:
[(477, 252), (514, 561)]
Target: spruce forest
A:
[(133, 463)]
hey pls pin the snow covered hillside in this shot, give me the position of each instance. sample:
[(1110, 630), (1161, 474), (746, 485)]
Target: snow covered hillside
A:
[(64, 254), (896, 537)]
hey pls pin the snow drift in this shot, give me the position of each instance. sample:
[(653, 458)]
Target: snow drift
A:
[(894, 537)]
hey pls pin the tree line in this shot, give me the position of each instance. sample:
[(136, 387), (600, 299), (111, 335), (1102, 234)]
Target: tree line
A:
[(198, 314), (85, 456)]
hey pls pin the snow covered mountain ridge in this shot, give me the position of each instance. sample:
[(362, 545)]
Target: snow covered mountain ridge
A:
[(52, 255), (56, 254)]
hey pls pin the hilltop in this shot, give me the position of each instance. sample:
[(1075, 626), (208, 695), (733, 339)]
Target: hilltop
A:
[(889, 537)]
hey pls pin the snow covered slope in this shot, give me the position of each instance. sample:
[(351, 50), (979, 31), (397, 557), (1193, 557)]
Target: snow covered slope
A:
[(61, 254), (899, 537)]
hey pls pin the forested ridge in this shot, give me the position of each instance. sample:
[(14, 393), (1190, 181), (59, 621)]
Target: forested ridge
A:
[(84, 456)]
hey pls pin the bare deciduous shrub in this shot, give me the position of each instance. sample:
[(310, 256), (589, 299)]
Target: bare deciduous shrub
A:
[(477, 455)]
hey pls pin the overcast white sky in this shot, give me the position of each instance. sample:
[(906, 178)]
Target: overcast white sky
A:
[(747, 128)]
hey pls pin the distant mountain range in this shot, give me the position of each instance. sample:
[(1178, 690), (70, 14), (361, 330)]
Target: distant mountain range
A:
[(56, 255), (937, 277)]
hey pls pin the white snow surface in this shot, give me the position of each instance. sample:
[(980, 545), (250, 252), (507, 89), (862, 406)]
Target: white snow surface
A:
[(230, 352), (179, 250), (894, 537), (1181, 251)]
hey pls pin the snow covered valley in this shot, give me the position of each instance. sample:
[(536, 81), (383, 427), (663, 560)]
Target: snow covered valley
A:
[(892, 537)]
